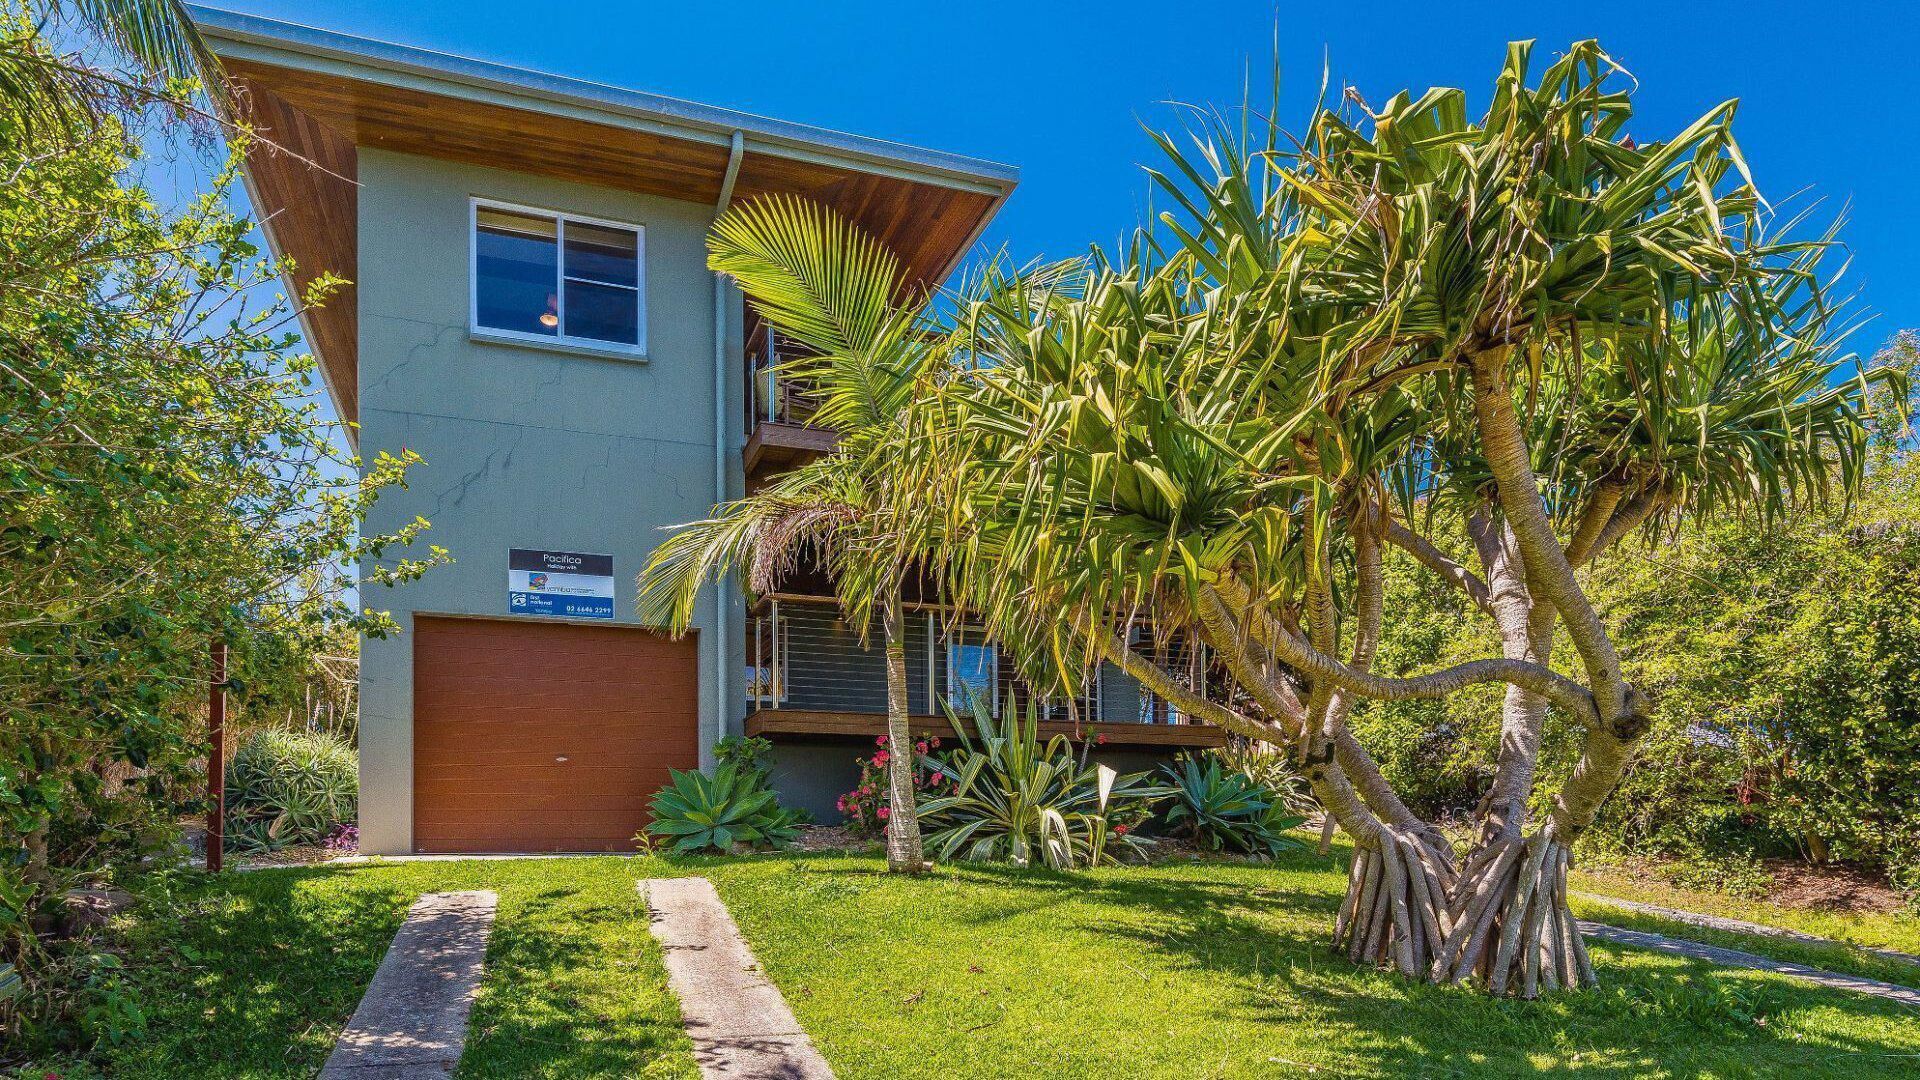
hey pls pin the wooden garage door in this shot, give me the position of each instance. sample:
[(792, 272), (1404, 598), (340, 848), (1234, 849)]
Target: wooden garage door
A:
[(535, 736)]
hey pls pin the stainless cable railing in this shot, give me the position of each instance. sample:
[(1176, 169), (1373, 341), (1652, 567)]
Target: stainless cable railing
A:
[(802, 654)]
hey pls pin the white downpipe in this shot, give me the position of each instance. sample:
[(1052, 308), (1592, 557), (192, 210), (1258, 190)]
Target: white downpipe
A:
[(736, 150)]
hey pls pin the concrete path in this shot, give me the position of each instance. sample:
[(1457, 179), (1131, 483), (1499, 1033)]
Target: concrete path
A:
[(412, 1022), (740, 1025), (1735, 958), (1737, 926)]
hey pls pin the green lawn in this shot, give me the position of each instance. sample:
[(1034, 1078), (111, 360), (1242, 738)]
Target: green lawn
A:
[(1181, 970)]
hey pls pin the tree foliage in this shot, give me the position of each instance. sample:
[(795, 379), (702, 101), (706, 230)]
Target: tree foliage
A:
[(1501, 344), (824, 282), (166, 479)]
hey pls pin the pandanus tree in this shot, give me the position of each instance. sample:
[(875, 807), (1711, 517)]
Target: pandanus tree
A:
[(1503, 347), (838, 292)]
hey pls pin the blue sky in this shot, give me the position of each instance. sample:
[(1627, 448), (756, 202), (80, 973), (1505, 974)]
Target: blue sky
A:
[(1061, 90)]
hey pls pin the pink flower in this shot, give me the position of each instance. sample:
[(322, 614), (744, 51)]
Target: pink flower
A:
[(1119, 830), (880, 759), (936, 742), (883, 813), (920, 747), (1100, 739), (881, 741)]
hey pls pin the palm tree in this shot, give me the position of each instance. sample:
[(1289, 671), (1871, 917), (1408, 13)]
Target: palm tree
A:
[(1528, 323), (158, 36), (824, 283)]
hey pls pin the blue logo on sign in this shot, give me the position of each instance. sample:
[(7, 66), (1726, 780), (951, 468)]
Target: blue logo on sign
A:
[(575, 607)]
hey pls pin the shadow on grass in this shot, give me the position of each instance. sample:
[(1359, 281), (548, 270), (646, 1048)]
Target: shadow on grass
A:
[(1261, 944), (252, 974), (573, 988)]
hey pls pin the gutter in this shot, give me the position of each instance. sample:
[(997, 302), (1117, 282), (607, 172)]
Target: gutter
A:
[(735, 151)]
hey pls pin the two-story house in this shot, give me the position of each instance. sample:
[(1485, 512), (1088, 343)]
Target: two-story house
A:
[(531, 312)]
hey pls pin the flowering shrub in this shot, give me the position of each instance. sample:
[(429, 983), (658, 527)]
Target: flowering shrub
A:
[(865, 807), (343, 840)]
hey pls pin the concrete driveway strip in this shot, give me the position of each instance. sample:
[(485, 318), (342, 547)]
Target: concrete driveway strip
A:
[(740, 1025), (412, 1021), (1905, 995)]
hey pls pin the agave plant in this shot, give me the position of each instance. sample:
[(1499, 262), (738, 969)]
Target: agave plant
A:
[(1013, 797), (1269, 768), (729, 810), (289, 787), (1223, 809)]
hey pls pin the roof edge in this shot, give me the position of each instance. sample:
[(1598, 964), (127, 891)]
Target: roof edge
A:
[(267, 40)]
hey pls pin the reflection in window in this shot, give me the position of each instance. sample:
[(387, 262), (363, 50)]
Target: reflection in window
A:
[(549, 275), (516, 264), (972, 671)]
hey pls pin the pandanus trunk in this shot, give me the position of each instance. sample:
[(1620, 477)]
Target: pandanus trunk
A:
[(1509, 923), (904, 854), (1502, 918)]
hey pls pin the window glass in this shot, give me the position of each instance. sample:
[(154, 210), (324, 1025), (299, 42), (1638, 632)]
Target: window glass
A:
[(602, 312), (971, 670), (602, 254), (516, 261)]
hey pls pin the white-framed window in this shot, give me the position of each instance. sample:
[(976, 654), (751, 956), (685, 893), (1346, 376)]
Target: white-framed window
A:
[(548, 277)]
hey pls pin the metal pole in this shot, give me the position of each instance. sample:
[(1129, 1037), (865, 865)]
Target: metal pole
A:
[(779, 655), (217, 757)]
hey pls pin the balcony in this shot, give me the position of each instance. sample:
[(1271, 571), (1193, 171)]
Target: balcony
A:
[(810, 675), (781, 434)]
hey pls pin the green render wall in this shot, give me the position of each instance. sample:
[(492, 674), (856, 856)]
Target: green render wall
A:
[(523, 446)]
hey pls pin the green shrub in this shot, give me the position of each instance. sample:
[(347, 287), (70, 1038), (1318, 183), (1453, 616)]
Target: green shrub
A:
[(289, 787), (1222, 809), (1734, 875), (747, 755), (1005, 796), (731, 810)]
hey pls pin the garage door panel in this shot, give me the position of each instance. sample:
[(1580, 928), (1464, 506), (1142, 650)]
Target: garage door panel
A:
[(542, 727), (498, 702)]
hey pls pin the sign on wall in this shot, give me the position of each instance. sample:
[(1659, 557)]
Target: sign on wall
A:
[(564, 583)]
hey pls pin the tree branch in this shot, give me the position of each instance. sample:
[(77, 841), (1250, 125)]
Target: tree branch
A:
[(1437, 561), (1304, 658), (1629, 516), (1157, 679), (1593, 520)]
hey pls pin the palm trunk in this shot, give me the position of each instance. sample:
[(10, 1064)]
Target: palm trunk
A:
[(904, 854)]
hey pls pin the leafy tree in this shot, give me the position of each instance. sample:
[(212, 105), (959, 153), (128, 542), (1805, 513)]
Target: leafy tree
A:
[(1530, 324), (829, 286), (166, 479)]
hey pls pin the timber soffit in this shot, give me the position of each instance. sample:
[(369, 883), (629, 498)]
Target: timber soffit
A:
[(269, 41)]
